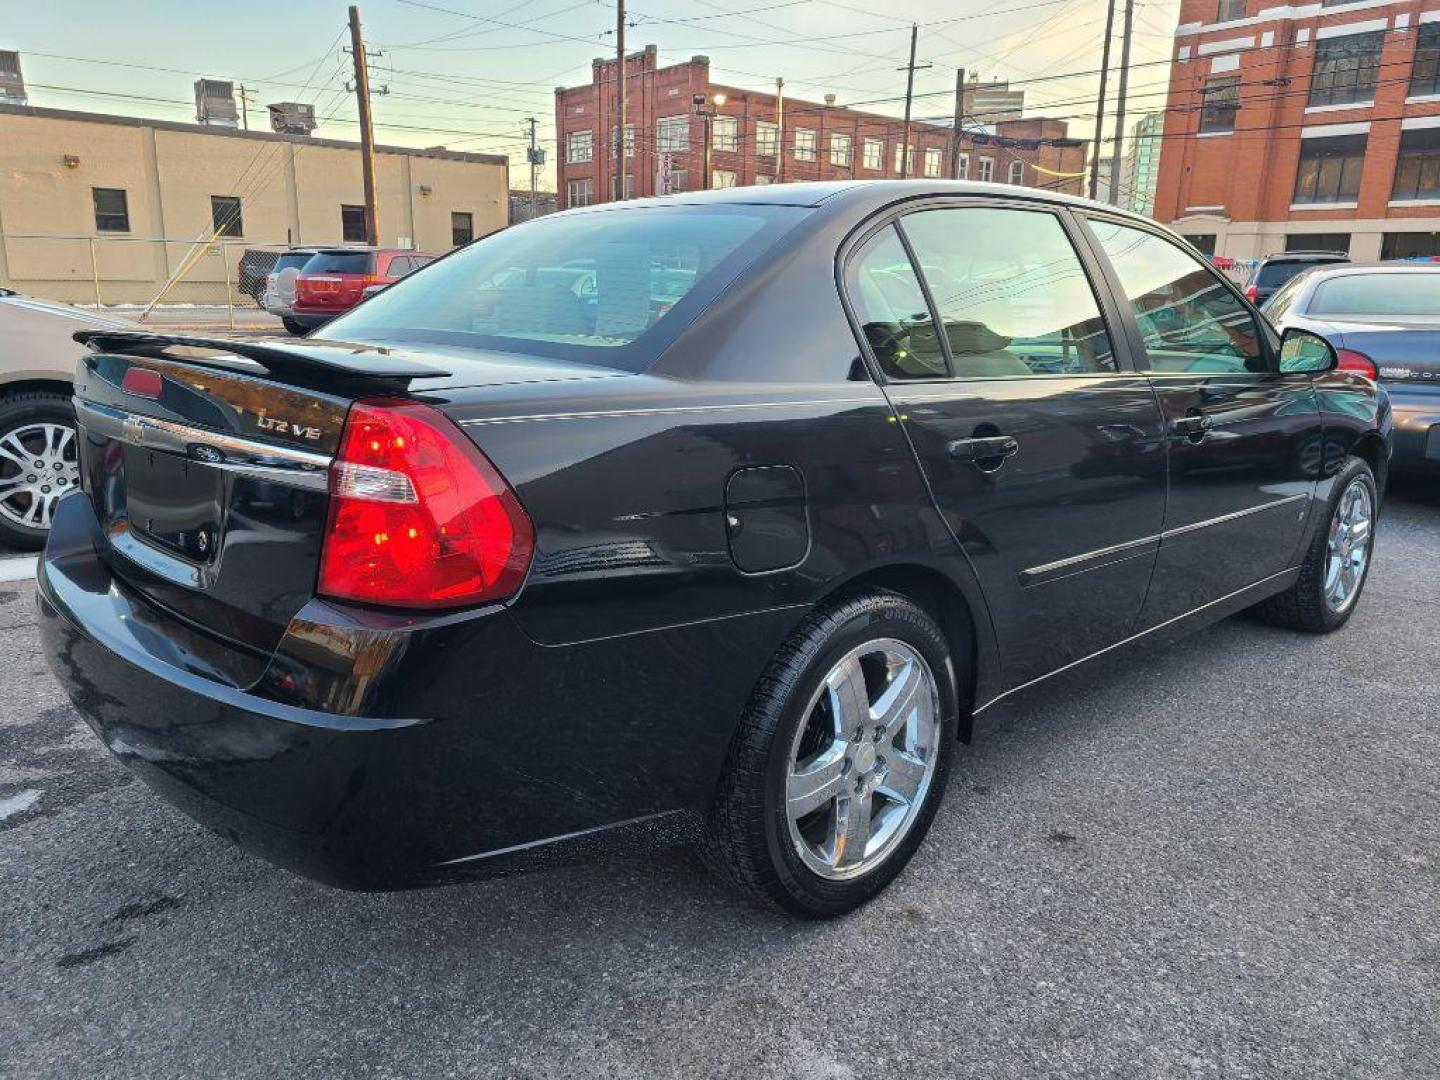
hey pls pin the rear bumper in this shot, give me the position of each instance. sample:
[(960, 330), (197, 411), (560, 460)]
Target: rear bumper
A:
[(1417, 429), (378, 751), (313, 317)]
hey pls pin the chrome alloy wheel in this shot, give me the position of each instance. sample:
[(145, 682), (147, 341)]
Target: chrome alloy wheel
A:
[(38, 464), (863, 759), (1348, 546)]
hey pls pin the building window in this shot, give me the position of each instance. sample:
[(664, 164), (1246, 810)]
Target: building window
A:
[(679, 180), (1425, 75), (225, 215), (1345, 69), (987, 170), (1410, 245), (1201, 242), (1320, 241), (462, 228), (1230, 9), (112, 212), (933, 161), (1220, 102), (672, 134), (764, 178), (579, 192), (629, 141), (1017, 172), (725, 133), (722, 178), (804, 144), (1417, 176), (840, 150), (907, 164), (767, 139), (962, 167), (874, 154), (352, 225), (579, 147), (1330, 169), (629, 187)]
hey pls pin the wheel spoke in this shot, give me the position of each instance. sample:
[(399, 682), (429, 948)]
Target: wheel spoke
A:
[(12, 449), (904, 773), (852, 829), (819, 782), (897, 704), (848, 699)]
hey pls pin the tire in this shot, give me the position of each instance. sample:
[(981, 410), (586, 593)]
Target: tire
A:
[(789, 739), (1311, 604), (34, 427), (295, 328)]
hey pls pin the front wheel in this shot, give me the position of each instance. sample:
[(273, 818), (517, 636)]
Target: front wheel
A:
[(839, 764), (1338, 561)]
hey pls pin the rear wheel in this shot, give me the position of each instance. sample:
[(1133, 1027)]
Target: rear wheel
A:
[(39, 462), (296, 328), (1338, 562), (841, 759)]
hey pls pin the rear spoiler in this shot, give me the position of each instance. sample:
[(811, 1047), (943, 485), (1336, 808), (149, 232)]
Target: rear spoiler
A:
[(281, 357)]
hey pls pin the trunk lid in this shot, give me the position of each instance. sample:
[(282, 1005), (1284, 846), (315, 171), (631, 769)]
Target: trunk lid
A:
[(1406, 351), (207, 463)]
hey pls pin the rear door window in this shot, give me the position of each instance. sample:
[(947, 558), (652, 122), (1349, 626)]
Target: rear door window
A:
[(1189, 320), (891, 308), (1010, 291)]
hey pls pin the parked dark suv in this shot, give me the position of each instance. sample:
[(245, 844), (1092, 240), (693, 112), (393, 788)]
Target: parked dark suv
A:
[(724, 514), (1275, 270)]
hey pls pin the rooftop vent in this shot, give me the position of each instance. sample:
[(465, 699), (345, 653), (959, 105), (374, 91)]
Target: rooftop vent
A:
[(215, 103), (12, 83), (292, 118)]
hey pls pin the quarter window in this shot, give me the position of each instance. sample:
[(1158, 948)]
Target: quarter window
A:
[(1188, 319), (112, 210), (1330, 169), (1345, 69), (890, 306), (1010, 292)]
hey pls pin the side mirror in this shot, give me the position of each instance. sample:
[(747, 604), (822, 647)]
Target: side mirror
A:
[(1305, 351)]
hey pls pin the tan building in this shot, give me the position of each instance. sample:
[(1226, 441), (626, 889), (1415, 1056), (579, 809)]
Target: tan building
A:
[(117, 203)]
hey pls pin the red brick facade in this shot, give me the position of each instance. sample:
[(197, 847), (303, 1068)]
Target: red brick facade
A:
[(1248, 188), (814, 137)]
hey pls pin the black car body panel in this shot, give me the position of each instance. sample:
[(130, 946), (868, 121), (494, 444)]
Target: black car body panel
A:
[(687, 517)]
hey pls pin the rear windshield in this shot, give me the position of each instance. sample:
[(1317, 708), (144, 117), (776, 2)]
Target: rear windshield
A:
[(292, 258), (1274, 274), (595, 287), (1378, 294), (341, 262)]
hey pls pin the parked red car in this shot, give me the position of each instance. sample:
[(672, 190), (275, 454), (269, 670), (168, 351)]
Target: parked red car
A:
[(335, 279)]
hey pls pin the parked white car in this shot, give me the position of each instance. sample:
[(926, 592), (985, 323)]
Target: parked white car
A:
[(278, 297)]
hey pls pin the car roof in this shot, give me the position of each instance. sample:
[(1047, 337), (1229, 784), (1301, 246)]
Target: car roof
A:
[(850, 193), (1306, 256)]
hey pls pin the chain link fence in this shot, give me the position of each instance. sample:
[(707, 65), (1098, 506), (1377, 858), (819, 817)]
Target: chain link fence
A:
[(158, 281)]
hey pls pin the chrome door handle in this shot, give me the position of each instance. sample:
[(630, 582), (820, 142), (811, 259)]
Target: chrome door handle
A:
[(1193, 426), (995, 447)]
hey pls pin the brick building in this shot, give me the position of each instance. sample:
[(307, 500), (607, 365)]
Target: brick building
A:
[(1309, 126), (756, 139)]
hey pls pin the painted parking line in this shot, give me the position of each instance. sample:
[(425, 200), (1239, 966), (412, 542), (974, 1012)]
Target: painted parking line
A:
[(17, 568)]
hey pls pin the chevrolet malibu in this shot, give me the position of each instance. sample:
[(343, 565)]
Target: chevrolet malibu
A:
[(723, 514)]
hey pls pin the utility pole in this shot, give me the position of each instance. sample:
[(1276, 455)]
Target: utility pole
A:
[(959, 119), (244, 107), (367, 130), (1118, 151), (534, 160), (909, 70), (1100, 106), (619, 99), (779, 131)]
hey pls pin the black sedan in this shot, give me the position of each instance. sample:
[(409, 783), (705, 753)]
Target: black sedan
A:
[(735, 540), (1384, 321)]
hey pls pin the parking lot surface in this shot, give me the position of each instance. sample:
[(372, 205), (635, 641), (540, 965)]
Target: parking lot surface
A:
[(1215, 859)]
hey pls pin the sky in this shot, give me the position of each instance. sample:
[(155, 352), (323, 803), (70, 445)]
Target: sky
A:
[(466, 74)]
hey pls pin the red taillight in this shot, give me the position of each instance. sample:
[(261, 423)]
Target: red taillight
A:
[(142, 382), (418, 516), (1358, 362), (1251, 292)]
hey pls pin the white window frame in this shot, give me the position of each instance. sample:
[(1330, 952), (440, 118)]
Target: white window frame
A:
[(908, 163), (934, 161), (1017, 172), (962, 167), (841, 149), (986, 172), (804, 147), (767, 139), (579, 147), (672, 134), (874, 155), (764, 178), (725, 134), (722, 178), (573, 188)]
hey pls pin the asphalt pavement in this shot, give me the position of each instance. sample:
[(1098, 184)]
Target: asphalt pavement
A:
[(1215, 859)]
